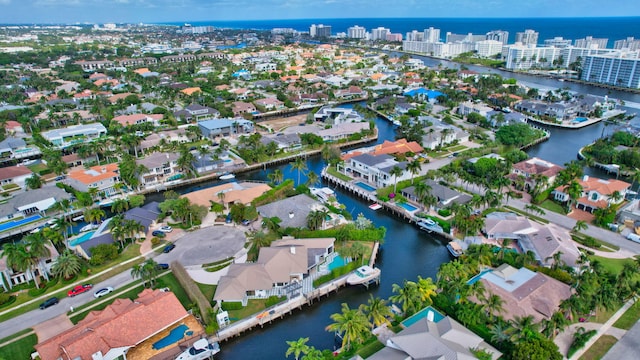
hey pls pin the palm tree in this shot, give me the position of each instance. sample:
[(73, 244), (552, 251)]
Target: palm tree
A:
[(147, 272), (67, 265), (297, 347), (119, 206), (525, 328), (421, 189), (414, 168), (396, 171), (185, 162), (534, 209), (62, 224), (574, 190), (501, 332), (352, 324), (616, 196), (33, 182), (557, 260), (407, 295), (276, 176), (426, 289), (312, 178), (494, 305), (94, 215), (299, 165), (579, 226), (313, 354), (377, 311)]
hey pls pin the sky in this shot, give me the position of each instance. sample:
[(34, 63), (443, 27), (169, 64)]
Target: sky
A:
[(158, 11)]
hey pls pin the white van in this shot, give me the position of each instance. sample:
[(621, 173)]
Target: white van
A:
[(634, 237)]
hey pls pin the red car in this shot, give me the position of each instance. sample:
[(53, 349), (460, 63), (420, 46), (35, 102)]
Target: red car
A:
[(79, 289)]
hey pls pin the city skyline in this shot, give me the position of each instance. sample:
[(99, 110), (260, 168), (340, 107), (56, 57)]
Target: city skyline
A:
[(158, 11)]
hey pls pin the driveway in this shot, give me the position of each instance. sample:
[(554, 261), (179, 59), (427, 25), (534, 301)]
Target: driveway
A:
[(205, 245)]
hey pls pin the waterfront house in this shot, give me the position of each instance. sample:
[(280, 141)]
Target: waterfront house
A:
[(340, 131), (211, 129), (438, 133), (16, 148), (525, 292), (596, 193), (285, 142), (334, 115), (160, 167), (177, 136), (400, 146), (293, 211), (442, 339), (351, 92), (33, 203), (17, 175), (74, 135), (278, 271), (469, 107), (196, 112), (10, 277), (136, 119), (543, 240), (445, 196), (228, 194), (535, 170), (101, 177), (115, 332), (374, 169), (499, 118), (240, 107)]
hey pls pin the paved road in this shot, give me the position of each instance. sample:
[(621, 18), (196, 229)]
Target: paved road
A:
[(627, 348)]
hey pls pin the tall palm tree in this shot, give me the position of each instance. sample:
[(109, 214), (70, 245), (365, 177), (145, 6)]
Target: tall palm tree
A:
[(312, 178), (414, 168), (580, 226), (297, 347), (33, 182), (147, 271), (276, 176), (574, 190), (406, 295), (376, 310), (94, 215), (119, 205), (352, 324), (299, 165), (525, 327), (396, 172), (67, 265), (426, 289), (421, 189), (494, 305)]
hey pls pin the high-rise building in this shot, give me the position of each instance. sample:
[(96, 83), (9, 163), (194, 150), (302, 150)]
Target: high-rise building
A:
[(589, 42), (312, 30), (621, 68), (488, 48), (466, 38), (498, 35), (527, 37), (628, 43), (394, 37), (323, 31), (357, 32), (558, 41), (415, 35), (431, 35), (379, 33)]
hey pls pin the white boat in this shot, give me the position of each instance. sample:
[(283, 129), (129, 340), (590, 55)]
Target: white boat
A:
[(89, 227), (323, 194), (429, 225), (454, 249), (227, 176), (363, 275), (200, 350), (375, 206)]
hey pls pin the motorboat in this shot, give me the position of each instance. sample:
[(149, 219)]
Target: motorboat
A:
[(429, 225), (227, 176), (200, 350), (363, 275), (454, 249), (375, 206)]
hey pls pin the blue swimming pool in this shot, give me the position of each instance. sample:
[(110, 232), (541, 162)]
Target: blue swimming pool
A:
[(86, 236), (337, 262), (424, 313), (407, 206), (475, 279), (15, 223), (579, 120), (365, 186), (174, 336)]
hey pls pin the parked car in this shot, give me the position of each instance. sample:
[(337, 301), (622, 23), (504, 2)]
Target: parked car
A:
[(162, 266), (246, 222), (229, 219), (168, 248), (166, 229), (79, 289), (102, 292), (158, 233), (49, 302)]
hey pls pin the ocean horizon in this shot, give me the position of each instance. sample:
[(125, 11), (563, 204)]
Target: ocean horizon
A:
[(613, 28)]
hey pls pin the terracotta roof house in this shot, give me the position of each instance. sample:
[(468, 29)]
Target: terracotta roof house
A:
[(443, 339), (278, 270), (191, 90), (596, 193), (239, 108), (400, 146), (13, 127), (525, 293), (114, 99), (112, 332), (535, 168), (135, 119), (101, 177), (234, 193), (543, 241)]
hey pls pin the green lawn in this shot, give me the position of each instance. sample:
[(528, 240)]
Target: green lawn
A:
[(456, 148), (170, 281), (19, 333), (207, 290), (599, 348), (253, 306), (553, 206), (339, 175), (629, 318), (614, 266), (20, 349), (602, 315)]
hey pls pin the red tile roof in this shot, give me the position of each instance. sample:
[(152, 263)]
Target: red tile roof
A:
[(123, 324), (400, 146), (14, 171), (95, 173)]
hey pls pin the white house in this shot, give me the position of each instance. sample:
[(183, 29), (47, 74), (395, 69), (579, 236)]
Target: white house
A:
[(375, 169), (596, 193), (76, 134)]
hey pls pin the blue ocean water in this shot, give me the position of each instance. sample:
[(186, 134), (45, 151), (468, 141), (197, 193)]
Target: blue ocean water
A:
[(613, 28)]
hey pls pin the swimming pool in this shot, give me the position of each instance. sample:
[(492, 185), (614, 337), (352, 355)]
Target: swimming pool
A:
[(227, 160), (424, 313), (81, 239), (365, 186), (407, 206), (337, 262), (174, 336), (475, 279), (15, 223), (579, 120)]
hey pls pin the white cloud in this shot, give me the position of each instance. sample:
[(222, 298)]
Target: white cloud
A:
[(5, 2)]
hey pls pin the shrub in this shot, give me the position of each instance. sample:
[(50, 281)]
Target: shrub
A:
[(155, 241), (272, 300), (6, 298), (103, 253), (35, 292), (444, 212), (231, 305), (579, 340), (192, 290)]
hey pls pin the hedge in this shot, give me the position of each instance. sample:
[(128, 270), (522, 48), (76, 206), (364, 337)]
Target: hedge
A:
[(335, 273), (273, 299), (192, 290), (277, 193)]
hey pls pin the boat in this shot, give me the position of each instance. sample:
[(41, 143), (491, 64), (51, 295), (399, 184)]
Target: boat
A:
[(89, 227), (324, 194), (429, 225), (375, 206), (200, 350), (363, 275), (227, 176), (454, 249)]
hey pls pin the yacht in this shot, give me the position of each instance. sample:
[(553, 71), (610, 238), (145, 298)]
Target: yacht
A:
[(200, 350), (363, 275), (429, 225), (227, 176), (454, 249)]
